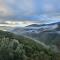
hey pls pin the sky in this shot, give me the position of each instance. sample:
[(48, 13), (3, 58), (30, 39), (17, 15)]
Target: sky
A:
[(26, 12)]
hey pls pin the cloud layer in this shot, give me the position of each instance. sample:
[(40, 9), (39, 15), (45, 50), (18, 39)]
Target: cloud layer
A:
[(42, 11), (29, 7)]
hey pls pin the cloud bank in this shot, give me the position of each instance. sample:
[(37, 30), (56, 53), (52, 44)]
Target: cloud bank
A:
[(41, 11)]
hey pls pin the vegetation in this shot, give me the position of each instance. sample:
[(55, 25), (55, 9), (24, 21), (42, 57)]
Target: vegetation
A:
[(51, 38), (14, 47)]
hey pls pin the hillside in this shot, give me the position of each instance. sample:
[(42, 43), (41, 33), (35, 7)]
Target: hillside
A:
[(15, 47), (46, 33), (51, 38)]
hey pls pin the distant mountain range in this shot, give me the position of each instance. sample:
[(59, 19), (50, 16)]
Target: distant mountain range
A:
[(37, 28), (38, 25)]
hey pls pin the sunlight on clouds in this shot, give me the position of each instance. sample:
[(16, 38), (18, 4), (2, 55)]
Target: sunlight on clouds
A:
[(7, 25), (17, 23), (10, 22)]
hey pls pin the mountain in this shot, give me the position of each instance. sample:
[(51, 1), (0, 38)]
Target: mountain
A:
[(16, 47), (39, 25), (46, 26), (35, 28), (47, 33)]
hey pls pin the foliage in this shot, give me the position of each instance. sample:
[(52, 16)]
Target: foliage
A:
[(14, 47)]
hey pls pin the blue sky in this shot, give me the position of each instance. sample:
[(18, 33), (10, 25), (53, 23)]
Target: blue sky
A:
[(43, 11)]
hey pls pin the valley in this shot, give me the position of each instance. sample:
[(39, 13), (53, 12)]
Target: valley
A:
[(16, 47), (39, 37), (49, 34)]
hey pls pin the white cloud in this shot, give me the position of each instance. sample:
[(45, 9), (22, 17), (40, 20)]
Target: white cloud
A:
[(17, 23)]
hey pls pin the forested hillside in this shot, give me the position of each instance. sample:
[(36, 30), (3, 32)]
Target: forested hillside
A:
[(15, 47)]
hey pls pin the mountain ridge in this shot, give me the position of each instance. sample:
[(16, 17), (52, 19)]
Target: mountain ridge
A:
[(13, 47)]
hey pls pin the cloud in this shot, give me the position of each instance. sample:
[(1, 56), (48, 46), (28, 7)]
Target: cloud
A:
[(21, 7), (27, 7), (4, 10), (16, 23), (39, 11)]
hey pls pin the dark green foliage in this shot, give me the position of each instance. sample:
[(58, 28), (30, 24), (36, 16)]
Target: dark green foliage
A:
[(51, 37), (14, 47)]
